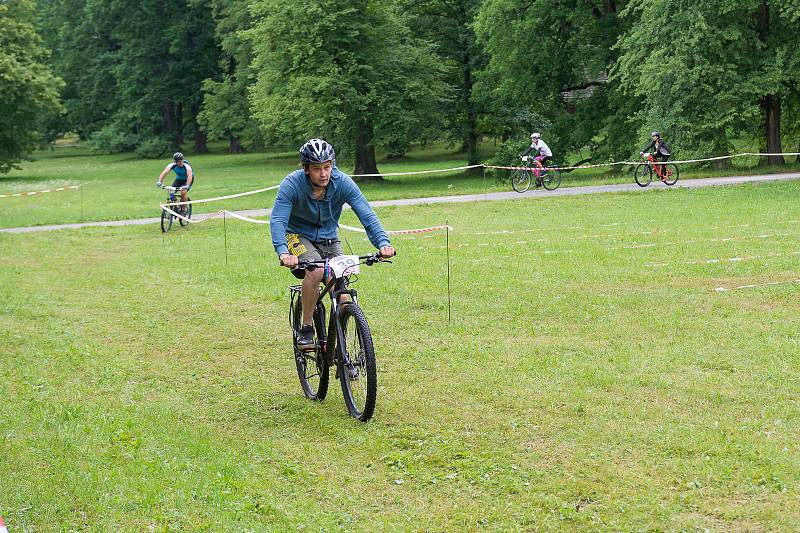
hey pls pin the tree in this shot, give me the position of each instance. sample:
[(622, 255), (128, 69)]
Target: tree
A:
[(226, 113), (550, 59), (710, 69), (449, 24), (29, 88), (133, 69), (349, 71)]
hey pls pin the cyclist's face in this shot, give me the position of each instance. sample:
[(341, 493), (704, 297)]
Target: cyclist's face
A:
[(179, 162), (320, 173)]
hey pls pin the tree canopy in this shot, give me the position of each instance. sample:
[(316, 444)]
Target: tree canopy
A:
[(352, 72), (593, 76), (28, 86)]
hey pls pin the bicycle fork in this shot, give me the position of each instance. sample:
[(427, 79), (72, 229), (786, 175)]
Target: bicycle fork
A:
[(336, 325)]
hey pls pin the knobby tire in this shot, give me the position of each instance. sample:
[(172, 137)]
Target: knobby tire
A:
[(187, 212), (359, 381), (311, 367), (166, 221)]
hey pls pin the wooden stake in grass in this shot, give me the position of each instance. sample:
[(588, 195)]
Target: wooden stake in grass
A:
[(447, 247), (225, 232)]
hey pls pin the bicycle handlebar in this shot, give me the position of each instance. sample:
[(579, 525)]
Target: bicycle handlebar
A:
[(171, 188), (369, 260)]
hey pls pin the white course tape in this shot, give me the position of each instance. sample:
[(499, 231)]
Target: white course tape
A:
[(218, 198), (221, 212), (683, 161), (480, 165), (724, 289), (434, 171), (247, 219), (400, 231), (32, 193)]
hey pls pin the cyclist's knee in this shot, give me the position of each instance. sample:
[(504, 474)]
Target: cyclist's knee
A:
[(314, 275)]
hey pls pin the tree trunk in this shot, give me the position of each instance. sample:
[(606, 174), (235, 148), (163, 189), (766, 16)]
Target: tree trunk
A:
[(234, 146), (200, 140), (771, 106), (770, 103), (365, 152), (178, 125), (169, 114), (470, 138), (720, 147)]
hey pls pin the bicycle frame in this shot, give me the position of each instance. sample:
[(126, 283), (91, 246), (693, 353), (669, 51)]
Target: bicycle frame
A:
[(657, 166), (336, 287)]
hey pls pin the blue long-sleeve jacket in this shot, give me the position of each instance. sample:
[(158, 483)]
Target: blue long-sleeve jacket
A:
[(297, 211)]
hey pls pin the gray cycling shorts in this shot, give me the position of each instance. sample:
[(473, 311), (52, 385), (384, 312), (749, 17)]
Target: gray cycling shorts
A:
[(306, 250)]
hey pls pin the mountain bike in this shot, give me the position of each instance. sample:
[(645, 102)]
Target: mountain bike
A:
[(345, 343), (184, 210), (550, 176), (666, 172)]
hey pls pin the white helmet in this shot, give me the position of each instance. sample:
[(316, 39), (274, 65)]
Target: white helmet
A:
[(535, 135)]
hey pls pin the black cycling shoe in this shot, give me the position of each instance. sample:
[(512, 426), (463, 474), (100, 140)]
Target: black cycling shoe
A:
[(305, 338)]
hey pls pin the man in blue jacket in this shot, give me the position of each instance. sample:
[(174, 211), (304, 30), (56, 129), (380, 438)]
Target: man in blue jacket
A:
[(305, 220)]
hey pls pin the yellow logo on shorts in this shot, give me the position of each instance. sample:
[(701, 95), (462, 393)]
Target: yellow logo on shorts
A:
[(296, 248)]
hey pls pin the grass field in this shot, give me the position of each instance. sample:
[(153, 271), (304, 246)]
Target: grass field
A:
[(118, 187), (591, 378)]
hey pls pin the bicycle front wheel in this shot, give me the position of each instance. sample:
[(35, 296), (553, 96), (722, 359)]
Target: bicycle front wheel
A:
[(311, 366), (357, 372), (671, 173), (166, 221), (520, 180), (187, 212), (643, 174), (552, 178)]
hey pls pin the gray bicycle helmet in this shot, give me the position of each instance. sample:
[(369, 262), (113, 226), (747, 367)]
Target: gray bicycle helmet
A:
[(177, 156), (316, 151), (655, 134), (536, 136)]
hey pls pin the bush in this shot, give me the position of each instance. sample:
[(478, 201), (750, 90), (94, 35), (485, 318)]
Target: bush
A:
[(508, 154)]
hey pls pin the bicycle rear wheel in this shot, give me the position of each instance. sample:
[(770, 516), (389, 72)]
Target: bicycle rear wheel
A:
[(671, 173), (166, 221), (187, 212), (552, 178), (311, 367), (643, 174), (357, 372), (520, 180)]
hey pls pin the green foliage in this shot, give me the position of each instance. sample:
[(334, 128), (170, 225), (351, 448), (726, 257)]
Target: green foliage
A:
[(226, 113), (28, 87), (134, 69), (450, 26), (508, 154), (350, 72), (552, 58), (702, 69)]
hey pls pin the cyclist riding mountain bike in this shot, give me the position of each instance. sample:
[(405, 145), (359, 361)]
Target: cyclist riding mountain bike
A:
[(184, 176), (661, 151), (543, 154), (305, 220)]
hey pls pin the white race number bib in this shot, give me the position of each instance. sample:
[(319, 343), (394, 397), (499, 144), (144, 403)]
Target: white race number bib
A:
[(344, 264)]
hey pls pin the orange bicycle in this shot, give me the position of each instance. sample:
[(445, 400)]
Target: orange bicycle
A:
[(666, 172)]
